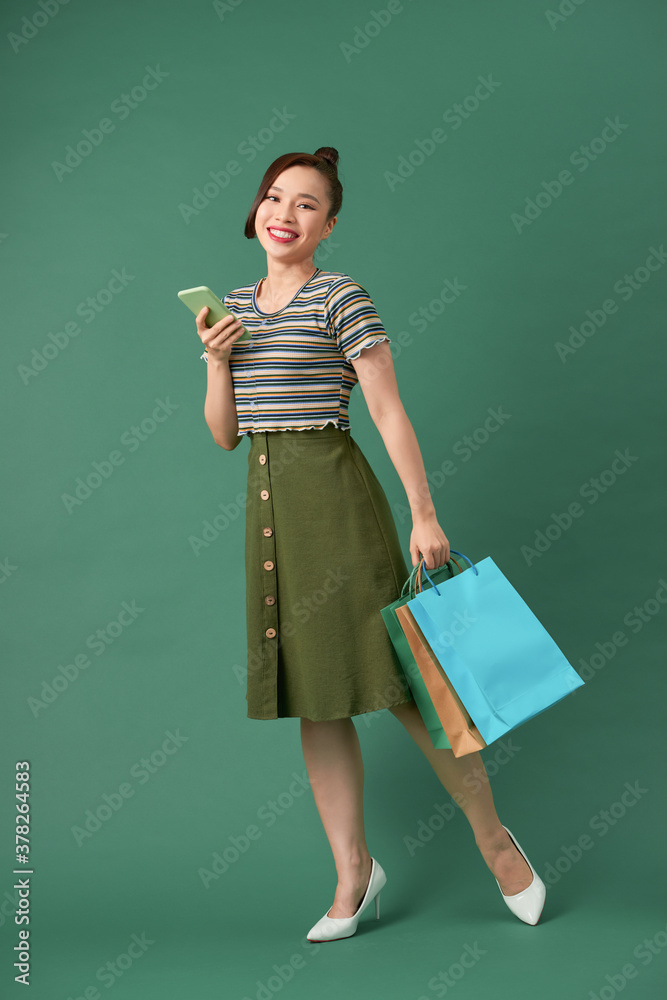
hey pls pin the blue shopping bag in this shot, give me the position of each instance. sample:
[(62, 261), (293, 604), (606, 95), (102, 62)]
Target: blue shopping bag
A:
[(501, 661)]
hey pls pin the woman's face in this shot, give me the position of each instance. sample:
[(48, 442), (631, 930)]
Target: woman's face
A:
[(298, 201)]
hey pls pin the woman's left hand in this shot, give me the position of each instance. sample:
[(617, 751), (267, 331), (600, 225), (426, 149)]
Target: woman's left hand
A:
[(428, 540)]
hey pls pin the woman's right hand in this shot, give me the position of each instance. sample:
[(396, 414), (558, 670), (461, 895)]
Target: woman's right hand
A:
[(220, 338)]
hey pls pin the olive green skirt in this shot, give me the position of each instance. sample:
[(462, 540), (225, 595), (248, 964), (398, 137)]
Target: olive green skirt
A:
[(322, 557)]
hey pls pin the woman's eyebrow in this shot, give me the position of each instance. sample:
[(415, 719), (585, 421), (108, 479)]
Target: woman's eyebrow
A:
[(300, 194)]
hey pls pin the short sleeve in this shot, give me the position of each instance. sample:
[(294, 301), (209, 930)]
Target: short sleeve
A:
[(352, 319)]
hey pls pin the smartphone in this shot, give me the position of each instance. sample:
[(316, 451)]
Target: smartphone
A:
[(196, 298)]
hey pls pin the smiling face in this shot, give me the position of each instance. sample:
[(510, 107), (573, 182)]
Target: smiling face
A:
[(295, 207)]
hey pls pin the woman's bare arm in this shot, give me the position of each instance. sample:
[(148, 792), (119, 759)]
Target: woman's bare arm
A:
[(377, 378), (220, 405)]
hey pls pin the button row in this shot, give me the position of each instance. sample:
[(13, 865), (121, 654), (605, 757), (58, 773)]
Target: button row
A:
[(270, 599)]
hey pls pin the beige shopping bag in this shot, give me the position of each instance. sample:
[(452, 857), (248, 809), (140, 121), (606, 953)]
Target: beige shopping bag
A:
[(461, 731)]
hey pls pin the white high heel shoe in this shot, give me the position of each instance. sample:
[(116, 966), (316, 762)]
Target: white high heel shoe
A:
[(334, 928), (528, 904)]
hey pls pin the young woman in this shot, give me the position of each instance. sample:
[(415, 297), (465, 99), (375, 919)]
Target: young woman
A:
[(322, 548)]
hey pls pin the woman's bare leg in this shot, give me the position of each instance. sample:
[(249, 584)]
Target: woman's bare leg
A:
[(475, 799), (332, 754)]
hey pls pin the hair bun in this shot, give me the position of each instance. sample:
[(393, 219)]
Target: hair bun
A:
[(328, 153)]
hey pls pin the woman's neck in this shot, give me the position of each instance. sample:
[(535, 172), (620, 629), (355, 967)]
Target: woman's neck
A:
[(277, 291)]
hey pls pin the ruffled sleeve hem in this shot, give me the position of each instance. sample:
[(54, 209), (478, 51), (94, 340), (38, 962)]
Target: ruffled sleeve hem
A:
[(371, 343)]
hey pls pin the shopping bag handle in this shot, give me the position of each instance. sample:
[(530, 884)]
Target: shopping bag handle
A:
[(472, 566), (421, 566), (419, 584), (410, 583)]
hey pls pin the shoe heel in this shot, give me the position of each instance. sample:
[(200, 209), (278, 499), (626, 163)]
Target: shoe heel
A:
[(377, 905)]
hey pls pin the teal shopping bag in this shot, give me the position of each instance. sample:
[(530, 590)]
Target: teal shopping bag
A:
[(410, 669), (501, 661)]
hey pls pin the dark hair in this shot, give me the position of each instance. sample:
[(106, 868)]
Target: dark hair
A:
[(324, 160)]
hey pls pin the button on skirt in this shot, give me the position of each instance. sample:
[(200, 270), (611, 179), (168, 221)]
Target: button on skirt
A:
[(322, 557)]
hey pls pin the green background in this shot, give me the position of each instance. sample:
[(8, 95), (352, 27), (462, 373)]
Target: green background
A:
[(375, 94)]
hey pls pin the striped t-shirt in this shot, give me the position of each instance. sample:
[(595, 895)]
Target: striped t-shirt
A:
[(294, 373)]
